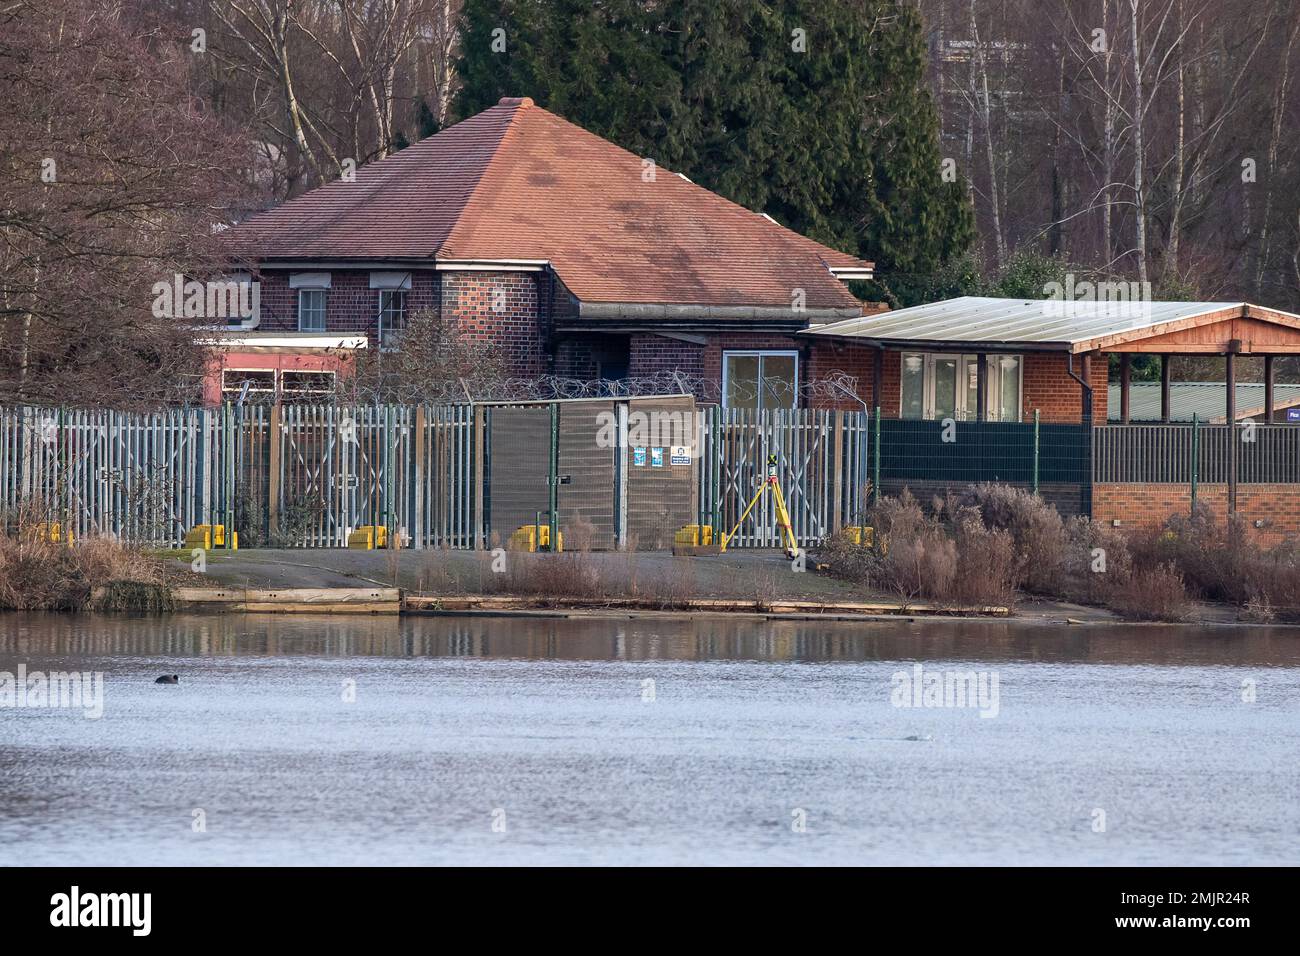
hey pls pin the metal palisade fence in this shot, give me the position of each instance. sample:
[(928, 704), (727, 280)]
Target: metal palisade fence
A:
[(465, 476)]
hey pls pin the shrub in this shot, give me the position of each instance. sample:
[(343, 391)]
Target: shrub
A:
[(1035, 526), (38, 574), (1096, 555), (987, 564), (1150, 594)]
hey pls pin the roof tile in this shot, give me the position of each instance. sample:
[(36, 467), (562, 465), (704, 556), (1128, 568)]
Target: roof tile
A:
[(518, 182)]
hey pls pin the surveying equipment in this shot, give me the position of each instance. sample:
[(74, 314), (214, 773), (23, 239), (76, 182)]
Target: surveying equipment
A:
[(782, 515)]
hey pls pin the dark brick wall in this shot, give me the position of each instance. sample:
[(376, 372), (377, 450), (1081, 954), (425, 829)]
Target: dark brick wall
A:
[(351, 306), (589, 356), (506, 309)]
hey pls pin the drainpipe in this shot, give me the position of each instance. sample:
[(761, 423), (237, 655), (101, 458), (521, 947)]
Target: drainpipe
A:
[(1086, 385)]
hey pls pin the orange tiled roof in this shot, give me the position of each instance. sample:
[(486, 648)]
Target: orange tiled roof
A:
[(516, 182)]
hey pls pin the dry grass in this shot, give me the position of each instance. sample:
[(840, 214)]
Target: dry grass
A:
[(1151, 594), (99, 573), (557, 579)]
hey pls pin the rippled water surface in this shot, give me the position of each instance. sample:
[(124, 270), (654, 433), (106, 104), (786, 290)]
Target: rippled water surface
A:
[(649, 741)]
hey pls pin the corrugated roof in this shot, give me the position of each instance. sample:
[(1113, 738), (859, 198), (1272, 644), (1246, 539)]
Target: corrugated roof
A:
[(1208, 400), (1044, 323), (516, 182)]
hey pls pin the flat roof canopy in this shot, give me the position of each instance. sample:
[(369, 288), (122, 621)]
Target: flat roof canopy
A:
[(978, 323)]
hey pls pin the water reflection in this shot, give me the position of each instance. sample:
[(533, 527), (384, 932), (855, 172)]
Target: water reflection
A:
[(634, 639)]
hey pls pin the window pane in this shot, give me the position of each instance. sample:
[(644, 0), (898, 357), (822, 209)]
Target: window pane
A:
[(1009, 399), (913, 385), (392, 316), (311, 310), (971, 373), (778, 374), (742, 381), (232, 380), (945, 386)]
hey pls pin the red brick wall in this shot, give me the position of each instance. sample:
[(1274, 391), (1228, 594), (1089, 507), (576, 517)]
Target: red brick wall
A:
[(858, 361), (1151, 505), (1047, 386), (504, 309), (514, 320)]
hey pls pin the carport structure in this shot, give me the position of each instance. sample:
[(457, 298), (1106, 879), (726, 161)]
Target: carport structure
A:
[(996, 365), (1081, 333)]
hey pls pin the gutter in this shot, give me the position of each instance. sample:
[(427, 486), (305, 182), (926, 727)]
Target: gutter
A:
[(655, 312), (947, 345)]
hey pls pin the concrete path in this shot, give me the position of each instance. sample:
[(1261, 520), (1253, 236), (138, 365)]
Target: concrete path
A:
[(747, 574)]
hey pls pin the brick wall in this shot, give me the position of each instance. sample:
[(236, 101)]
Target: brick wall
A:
[(1048, 387), (351, 306), (1151, 505), (504, 310), (590, 355), (829, 358), (651, 354)]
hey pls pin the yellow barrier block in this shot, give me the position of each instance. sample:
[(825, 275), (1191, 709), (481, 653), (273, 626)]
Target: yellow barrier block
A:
[(53, 531), (694, 536), (533, 537), (864, 535), (369, 537), (209, 536)]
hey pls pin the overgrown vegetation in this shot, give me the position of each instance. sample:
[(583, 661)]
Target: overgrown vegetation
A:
[(990, 542), (37, 574)]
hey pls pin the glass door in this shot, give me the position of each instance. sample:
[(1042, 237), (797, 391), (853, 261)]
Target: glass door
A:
[(944, 398)]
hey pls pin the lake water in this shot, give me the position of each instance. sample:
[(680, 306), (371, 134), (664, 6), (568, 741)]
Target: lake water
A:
[(332, 740)]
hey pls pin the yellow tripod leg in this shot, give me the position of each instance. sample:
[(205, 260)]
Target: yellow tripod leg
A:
[(722, 546), (783, 522)]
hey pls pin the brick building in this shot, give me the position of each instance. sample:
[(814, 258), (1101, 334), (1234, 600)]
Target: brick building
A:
[(568, 255), (573, 257)]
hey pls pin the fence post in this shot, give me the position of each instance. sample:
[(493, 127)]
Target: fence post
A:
[(273, 479), (1196, 455), (837, 488), (715, 414), (228, 474), (478, 435), (554, 482), (390, 463), (1036, 415), (875, 460)]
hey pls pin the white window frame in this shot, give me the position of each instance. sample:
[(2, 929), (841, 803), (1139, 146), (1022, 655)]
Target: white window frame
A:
[(324, 312), (275, 380), (760, 353), (385, 333), (287, 390), (992, 383)]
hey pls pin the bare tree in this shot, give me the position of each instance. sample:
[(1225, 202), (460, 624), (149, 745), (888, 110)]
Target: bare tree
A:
[(113, 180)]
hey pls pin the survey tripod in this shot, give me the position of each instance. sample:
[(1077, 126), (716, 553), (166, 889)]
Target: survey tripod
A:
[(771, 483)]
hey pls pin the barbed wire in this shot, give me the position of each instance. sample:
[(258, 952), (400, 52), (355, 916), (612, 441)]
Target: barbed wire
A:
[(342, 390), (543, 388)]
